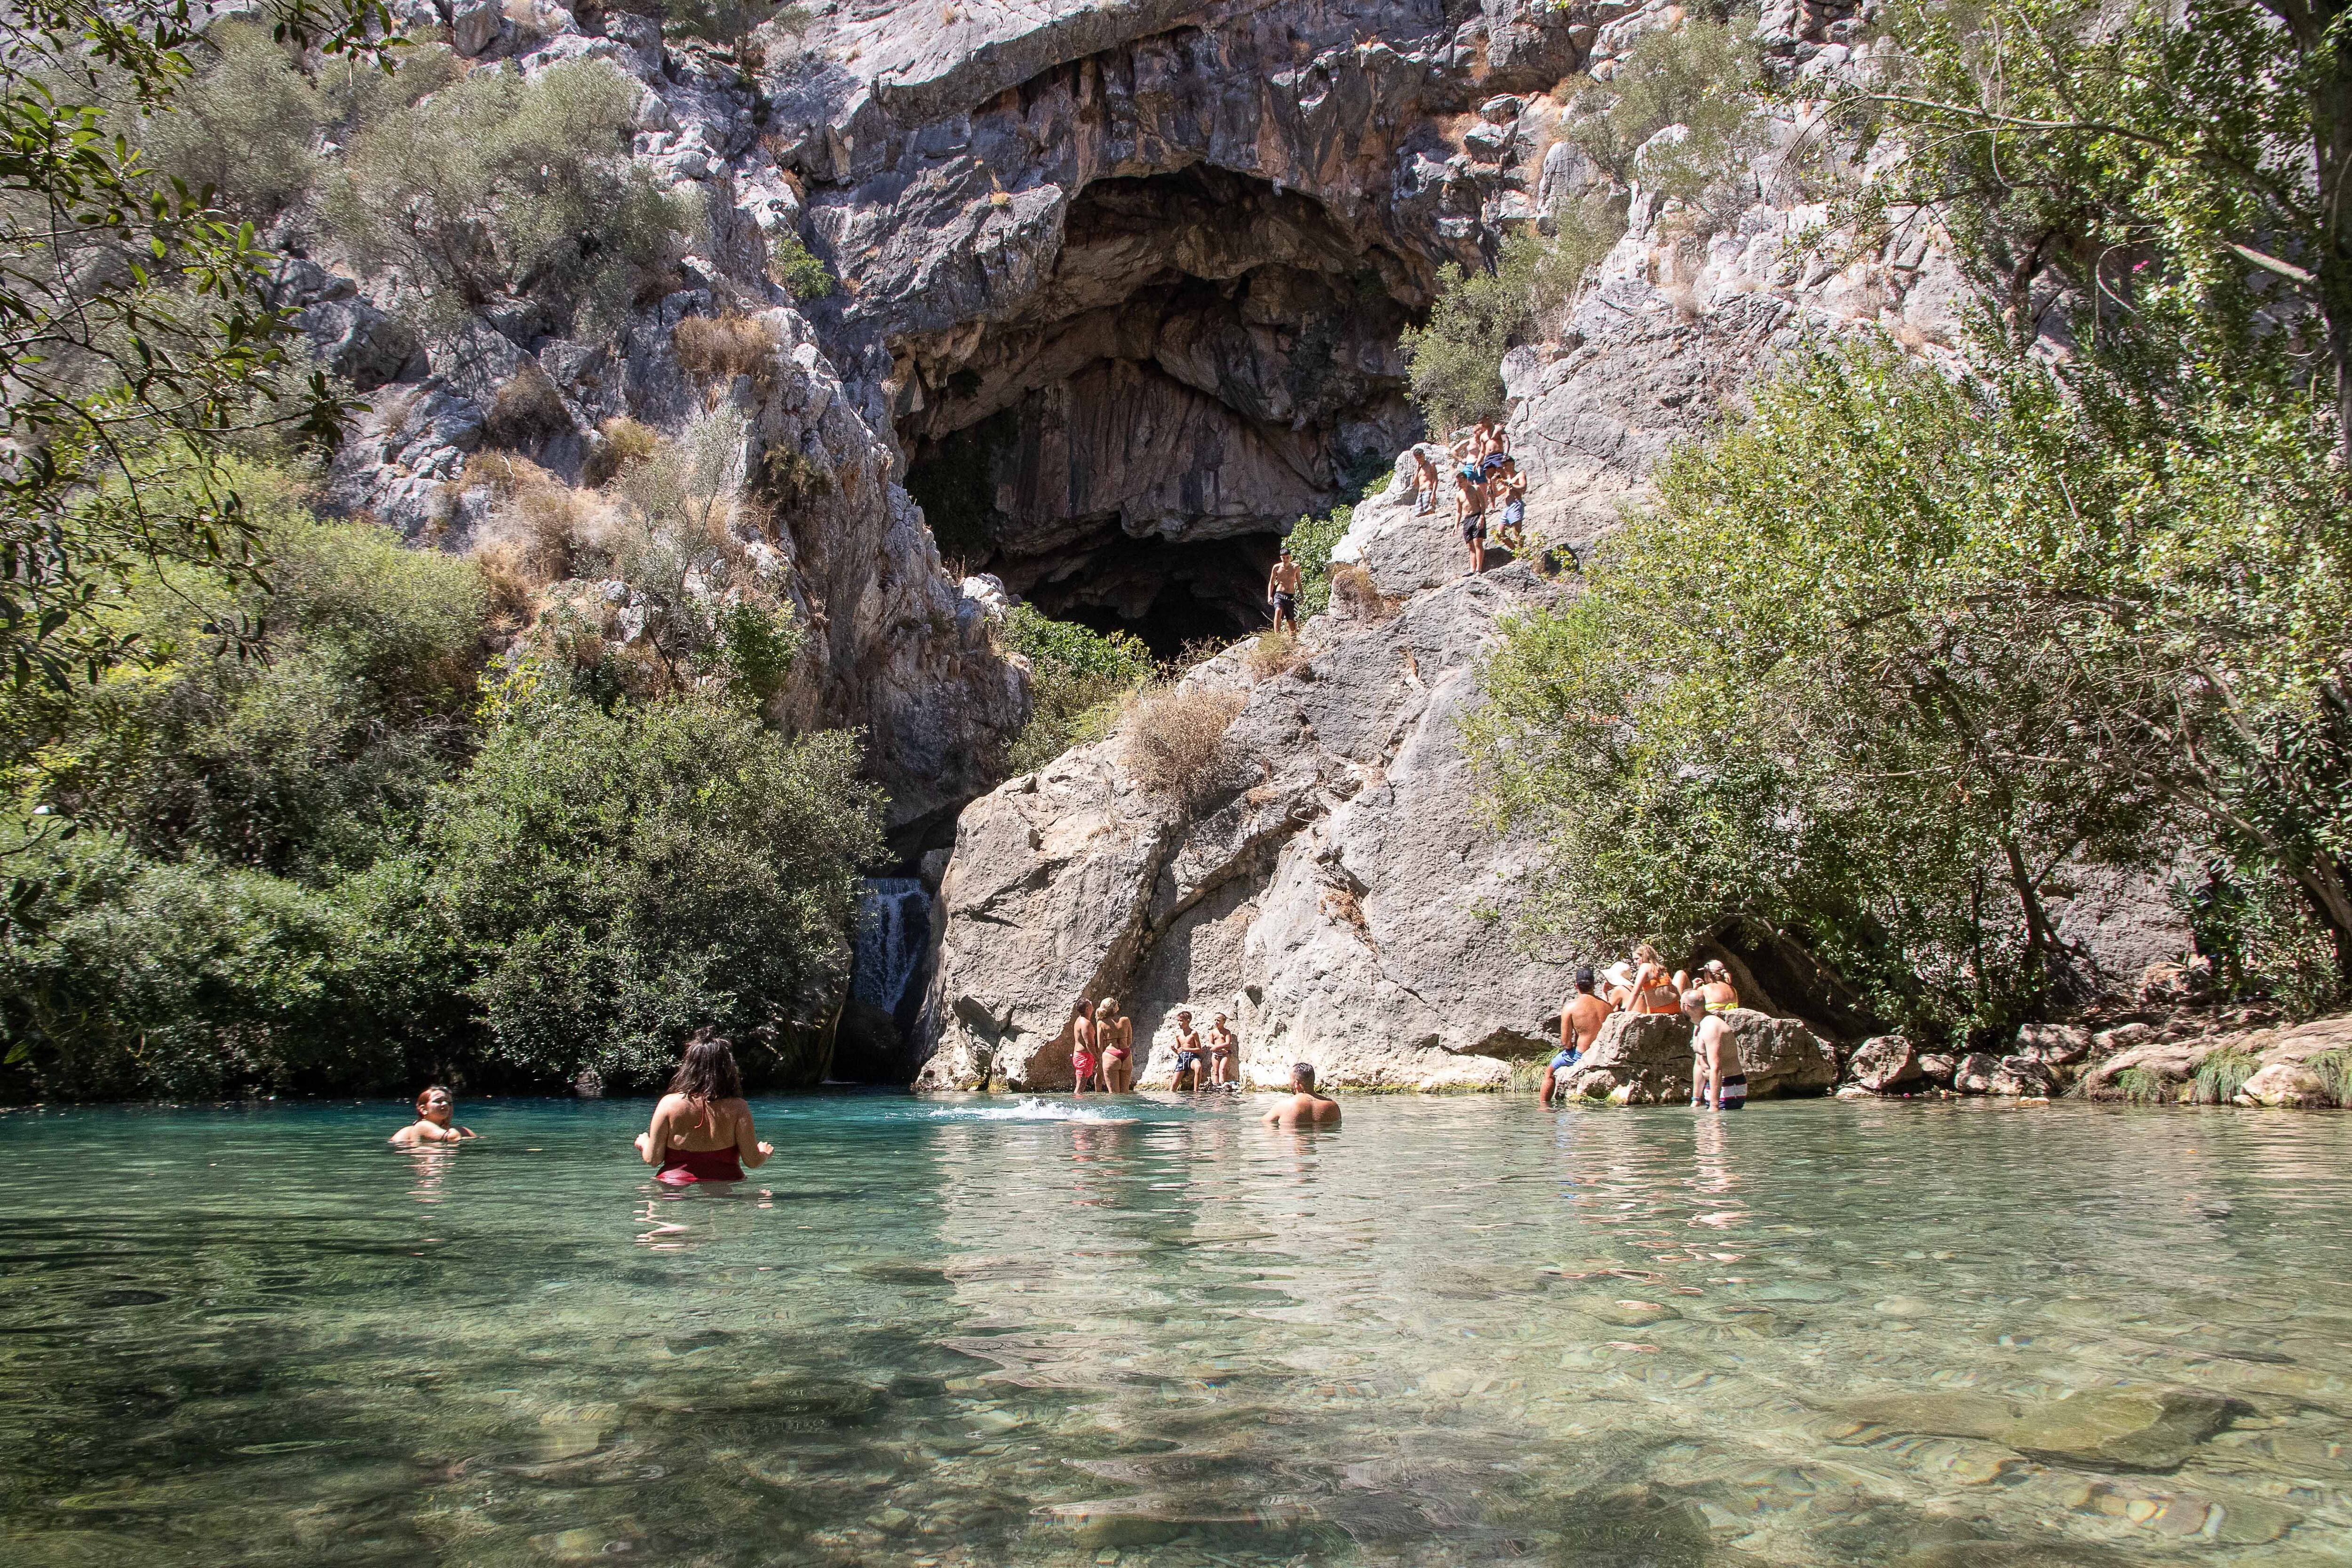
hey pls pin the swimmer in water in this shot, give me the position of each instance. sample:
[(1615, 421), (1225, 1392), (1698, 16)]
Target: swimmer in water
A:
[(436, 1110), (701, 1130), (1304, 1108)]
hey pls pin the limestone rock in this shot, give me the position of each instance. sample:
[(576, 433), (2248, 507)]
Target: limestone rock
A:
[(1640, 1059), (2122, 1429), (2060, 1045), (1885, 1064), (2021, 1075), (1781, 1056), (1972, 1074), (1336, 895), (2286, 1084), (1939, 1069)]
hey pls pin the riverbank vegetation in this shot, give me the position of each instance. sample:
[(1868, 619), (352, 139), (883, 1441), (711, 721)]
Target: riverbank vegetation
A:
[(1904, 649)]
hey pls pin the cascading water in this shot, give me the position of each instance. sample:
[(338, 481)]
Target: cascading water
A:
[(894, 927)]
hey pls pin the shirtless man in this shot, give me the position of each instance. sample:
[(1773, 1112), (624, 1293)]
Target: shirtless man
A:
[(436, 1110), (1579, 1027), (1509, 487), (1717, 1079), (1304, 1108), (1470, 513), (1224, 1051), (1189, 1054), (1424, 483), (1282, 590)]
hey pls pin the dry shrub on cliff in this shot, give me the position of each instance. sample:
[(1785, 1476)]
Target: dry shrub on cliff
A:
[(1272, 652), (1353, 590), (626, 443), (729, 345), (1175, 740)]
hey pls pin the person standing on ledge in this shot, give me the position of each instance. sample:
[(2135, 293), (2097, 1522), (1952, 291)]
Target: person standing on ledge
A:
[(1579, 1027), (1224, 1052), (1424, 483), (1282, 590), (1189, 1052), (1716, 1078), (1304, 1108), (436, 1111), (1470, 513)]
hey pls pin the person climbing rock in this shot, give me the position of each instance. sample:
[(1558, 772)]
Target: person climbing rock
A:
[(1424, 483), (1282, 590)]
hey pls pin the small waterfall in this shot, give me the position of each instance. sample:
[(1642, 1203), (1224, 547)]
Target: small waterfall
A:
[(894, 927)]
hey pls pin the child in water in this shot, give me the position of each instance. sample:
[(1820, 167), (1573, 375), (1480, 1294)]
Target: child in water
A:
[(701, 1130), (436, 1110)]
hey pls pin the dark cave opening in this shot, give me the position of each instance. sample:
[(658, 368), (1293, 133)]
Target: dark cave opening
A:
[(1210, 358)]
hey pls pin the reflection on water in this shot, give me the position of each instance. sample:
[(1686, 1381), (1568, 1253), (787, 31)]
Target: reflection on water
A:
[(1458, 1331)]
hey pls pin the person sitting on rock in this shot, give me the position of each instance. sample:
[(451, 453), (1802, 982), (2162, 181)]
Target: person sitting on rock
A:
[(437, 1112), (1716, 1078), (1115, 1041), (1617, 987), (1085, 1066), (1424, 483), (1189, 1054), (1579, 1026), (1654, 990), (1304, 1108), (1225, 1052), (1282, 590), (1714, 983)]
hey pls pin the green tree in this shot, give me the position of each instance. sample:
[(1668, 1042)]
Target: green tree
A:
[(615, 880), (1079, 679), (138, 336), (2113, 158), (1893, 653)]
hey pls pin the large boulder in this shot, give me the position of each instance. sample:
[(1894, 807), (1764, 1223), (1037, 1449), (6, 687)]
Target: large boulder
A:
[(1885, 1064), (1781, 1056), (2018, 1076), (2287, 1084), (1972, 1074), (1640, 1059), (2060, 1045), (1331, 889)]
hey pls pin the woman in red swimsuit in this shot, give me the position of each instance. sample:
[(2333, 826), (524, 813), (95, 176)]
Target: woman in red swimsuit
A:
[(703, 1128)]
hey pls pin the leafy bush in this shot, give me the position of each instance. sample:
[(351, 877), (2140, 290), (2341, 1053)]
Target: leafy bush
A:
[(1893, 651), (1702, 76), (1176, 742), (617, 880), (792, 266), (1079, 679), (1455, 360), (242, 127), (498, 184), (1311, 541)]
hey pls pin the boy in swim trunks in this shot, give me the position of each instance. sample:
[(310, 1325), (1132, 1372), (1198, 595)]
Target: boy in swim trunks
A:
[(436, 1110), (1224, 1049), (1424, 483), (1470, 512), (1510, 486), (1717, 1079), (1188, 1053), (1282, 590)]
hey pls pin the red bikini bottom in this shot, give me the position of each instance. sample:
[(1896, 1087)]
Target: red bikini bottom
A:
[(681, 1166)]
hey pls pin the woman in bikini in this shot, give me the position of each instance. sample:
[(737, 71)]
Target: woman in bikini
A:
[(1083, 1068), (1654, 990), (1114, 1037), (703, 1128), (1715, 984)]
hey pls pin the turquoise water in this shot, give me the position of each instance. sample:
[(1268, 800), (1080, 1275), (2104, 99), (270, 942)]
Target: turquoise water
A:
[(1460, 1330)]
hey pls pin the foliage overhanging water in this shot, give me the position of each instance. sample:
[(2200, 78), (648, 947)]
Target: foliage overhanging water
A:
[(980, 1331)]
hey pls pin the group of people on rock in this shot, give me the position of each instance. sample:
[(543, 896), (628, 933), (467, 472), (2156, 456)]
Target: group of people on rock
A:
[(1102, 1050), (1641, 985), (1487, 479)]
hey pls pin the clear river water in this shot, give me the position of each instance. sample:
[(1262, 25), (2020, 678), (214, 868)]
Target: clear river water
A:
[(1460, 1330)]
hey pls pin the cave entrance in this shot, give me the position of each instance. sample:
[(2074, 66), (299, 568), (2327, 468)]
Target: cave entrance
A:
[(1209, 360)]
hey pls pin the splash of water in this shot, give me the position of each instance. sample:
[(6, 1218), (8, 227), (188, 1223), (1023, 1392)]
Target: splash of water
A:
[(1030, 1108)]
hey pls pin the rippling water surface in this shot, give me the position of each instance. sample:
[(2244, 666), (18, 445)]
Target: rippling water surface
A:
[(986, 1332)]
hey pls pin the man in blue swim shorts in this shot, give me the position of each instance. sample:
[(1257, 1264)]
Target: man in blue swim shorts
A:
[(1580, 1028)]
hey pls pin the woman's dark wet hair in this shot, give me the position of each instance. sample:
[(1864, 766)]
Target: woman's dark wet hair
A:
[(707, 1070)]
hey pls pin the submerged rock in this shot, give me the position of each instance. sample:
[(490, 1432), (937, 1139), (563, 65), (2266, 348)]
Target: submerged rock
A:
[(2135, 1429)]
